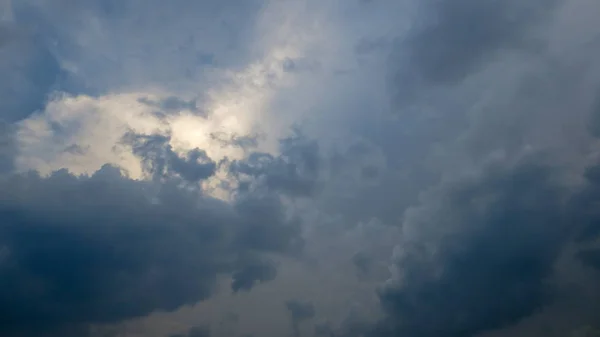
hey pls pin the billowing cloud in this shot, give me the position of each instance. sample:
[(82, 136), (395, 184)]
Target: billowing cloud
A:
[(104, 248), (177, 148), (476, 253)]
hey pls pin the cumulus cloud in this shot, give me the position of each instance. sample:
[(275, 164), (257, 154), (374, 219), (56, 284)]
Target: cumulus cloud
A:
[(475, 255), (104, 248), (160, 160), (462, 132), (479, 251)]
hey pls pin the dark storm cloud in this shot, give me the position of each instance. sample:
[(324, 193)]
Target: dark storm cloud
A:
[(104, 248), (160, 160), (294, 172), (477, 253), (300, 311)]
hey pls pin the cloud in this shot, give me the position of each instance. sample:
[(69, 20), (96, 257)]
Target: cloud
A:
[(299, 311), (453, 39), (363, 263), (173, 105), (295, 171), (253, 272), (479, 251), (105, 248), (475, 254), (198, 331), (195, 114), (127, 52), (7, 148), (590, 257), (160, 160), (29, 72)]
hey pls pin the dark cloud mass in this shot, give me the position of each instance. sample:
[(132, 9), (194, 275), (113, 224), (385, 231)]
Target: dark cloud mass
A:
[(458, 37), (481, 251), (451, 40), (295, 172), (300, 311), (29, 71), (105, 248), (460, 149), (160, 160)]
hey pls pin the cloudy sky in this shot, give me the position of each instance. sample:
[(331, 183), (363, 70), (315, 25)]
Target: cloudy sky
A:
[(305, 168)]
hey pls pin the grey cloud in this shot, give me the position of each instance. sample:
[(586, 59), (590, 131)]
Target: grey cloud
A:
[(228, 324), (459, 36), (102, 249), (300, 311), (29, 71), (363, 176), (252, 272), (353, 325), (594, 122), (160, 160), (173, 105), (300, 65), (264, 230), (479, 254), (8, 148), (197, 331), (590, 257), (194, 36), (245, 142), (294, 172), (369, 45), (476, 253), (324, 330), (454, 39), (363, 263)]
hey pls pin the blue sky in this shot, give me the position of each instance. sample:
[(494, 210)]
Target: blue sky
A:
[(298, 168)]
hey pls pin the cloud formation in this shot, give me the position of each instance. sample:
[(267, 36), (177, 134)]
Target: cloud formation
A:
[(177, 148), (104, 248), (476, 253)]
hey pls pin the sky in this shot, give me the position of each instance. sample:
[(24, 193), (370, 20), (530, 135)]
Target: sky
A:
[(304, 168)]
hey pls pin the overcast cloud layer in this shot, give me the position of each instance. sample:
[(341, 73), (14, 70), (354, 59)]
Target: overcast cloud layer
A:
[(327, 168)]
